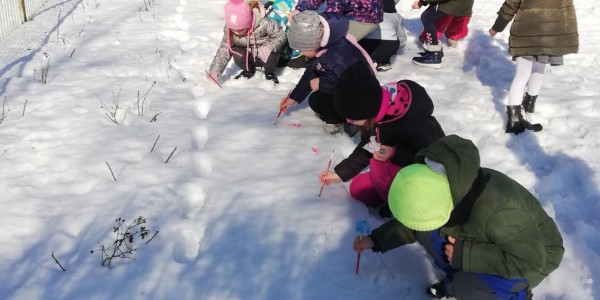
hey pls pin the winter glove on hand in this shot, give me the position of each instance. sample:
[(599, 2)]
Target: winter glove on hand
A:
[(263, 53)]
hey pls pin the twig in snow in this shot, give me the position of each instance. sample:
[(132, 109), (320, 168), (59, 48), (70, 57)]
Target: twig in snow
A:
[(167, 161), (111, 172), (155, 143), (56, 260)]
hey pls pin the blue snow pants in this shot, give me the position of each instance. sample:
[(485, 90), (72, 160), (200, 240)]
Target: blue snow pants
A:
[(470, 285)]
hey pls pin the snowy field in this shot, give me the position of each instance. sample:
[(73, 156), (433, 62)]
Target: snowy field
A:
[(236, 204)]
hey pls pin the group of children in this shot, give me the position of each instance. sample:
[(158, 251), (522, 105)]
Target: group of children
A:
[(488, 234)]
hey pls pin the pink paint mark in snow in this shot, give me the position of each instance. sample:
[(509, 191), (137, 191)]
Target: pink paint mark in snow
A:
[(294, 124), (316, 150)]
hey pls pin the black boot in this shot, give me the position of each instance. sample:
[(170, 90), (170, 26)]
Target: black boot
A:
[(272, 76), (529, 103), (246, 74), (516, 124)]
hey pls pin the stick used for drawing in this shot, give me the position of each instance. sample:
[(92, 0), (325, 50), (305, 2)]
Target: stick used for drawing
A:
[(358, 256), (213, 79), (327, 169), (282, 109)]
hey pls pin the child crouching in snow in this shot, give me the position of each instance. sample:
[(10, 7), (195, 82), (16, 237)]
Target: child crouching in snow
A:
[(325, 41), (396, 122), (387, 38), (252, 39)]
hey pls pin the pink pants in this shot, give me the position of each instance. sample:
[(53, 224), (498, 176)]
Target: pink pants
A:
[(372, 187), (455, 27)]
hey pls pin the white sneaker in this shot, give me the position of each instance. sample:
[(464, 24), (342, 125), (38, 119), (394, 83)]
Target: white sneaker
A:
[(333, 129)]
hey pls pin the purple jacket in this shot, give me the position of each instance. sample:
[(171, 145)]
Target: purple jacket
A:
[(331, 61), (366, 11)]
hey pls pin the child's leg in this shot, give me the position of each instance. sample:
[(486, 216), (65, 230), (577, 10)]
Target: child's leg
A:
[(359, 29), (240, 60), (458, 28), (537, 78), (369, 45), (385, 51), (442, 25), (382, 175), (323, 105), (271, 64), (362, 189), (522, 75), (428, 18)]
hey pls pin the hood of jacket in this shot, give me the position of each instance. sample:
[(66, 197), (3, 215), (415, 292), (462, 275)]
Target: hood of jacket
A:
[(404, 99), (335, 27), (460, 158)]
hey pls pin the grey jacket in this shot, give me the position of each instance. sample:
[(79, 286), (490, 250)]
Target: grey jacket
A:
[(266, 33), (391, 29)]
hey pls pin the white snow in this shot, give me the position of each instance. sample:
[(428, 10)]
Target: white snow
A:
[(236, 205)]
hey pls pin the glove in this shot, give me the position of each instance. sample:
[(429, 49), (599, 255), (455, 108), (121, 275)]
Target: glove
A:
[(263, 53)]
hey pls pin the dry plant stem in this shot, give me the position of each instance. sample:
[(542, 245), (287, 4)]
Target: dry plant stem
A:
[(24, 106), (155, 143), (152, 237), (56, 260), (111, 172), (168, 158)]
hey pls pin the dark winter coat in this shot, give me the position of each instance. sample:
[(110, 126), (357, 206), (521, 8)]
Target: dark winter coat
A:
[(459, 8), (500, 228), (540, 27), (328, 65), (266, 33), (411, 132), (366, 11)]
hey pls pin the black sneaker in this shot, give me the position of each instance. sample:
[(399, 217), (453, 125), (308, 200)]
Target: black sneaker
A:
[(245, 74), (383, 67), (431, 59), (272, 76), (437, 290)]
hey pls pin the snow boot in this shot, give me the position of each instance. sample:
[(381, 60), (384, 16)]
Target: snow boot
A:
[(516, 124), (272, 76), (529, 103), (437, 290), (246, 74), (431, 58)]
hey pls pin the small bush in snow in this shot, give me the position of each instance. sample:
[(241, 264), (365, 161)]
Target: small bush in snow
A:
[(125, 236)]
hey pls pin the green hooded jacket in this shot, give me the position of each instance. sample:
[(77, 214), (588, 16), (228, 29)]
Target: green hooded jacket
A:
[(458, 8), (505, 231)]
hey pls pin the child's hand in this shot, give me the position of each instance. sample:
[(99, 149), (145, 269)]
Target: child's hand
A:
[(211, 75), (327, 177), (362, 243), (314, 84), (384, 153), (449, 248), (493, 32), (286, 102), (416, 5)]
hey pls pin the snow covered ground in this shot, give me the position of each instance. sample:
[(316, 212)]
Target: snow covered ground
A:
[(236, 204)]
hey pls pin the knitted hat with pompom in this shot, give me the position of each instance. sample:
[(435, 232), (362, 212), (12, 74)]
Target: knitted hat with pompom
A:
[(420, 198), (238, 15)]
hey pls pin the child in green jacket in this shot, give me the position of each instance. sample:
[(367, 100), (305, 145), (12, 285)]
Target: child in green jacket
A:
[(489, 235)]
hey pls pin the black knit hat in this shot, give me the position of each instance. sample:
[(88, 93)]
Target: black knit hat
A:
[(358, 94)]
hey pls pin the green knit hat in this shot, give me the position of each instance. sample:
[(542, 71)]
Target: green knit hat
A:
[(420, 198)]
